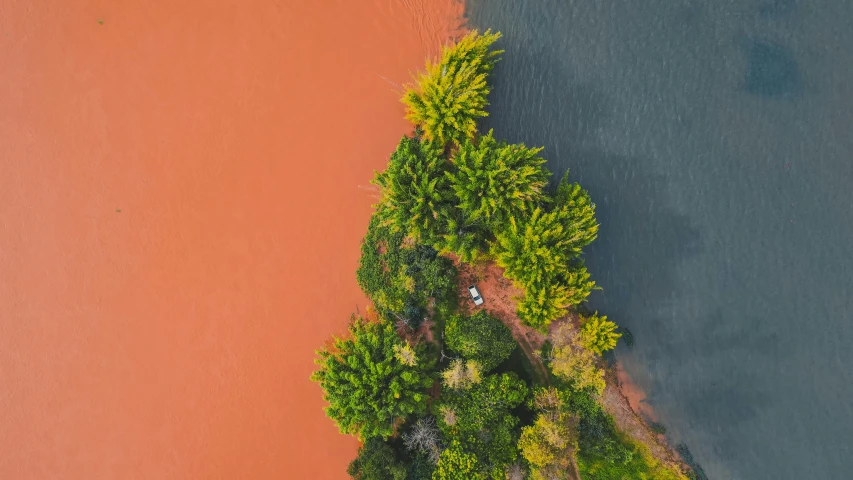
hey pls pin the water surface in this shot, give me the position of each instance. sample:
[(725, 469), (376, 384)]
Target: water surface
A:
[(714, 137), (180, 217)]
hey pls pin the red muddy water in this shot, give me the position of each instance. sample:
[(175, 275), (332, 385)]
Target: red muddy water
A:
[(180, 216)]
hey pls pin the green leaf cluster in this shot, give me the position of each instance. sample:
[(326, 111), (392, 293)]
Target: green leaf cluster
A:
[(574, 363), (479, 337), (493, 182), (539, 253), (414, 189), (376, 460), (550, 443), (399, 276), (367, 386), (457, 464), (598, 334), (450, 95), (481, 421)]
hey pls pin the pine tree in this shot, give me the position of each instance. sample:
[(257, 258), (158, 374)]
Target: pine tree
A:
[(461, 236), (367, 385), (450, 95), (598, 334), (494, 181), (414, 189), (479, 337), (538, 255), (576, 212)]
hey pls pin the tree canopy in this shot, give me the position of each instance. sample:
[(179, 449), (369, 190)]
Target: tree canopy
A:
[(454, 463), (480, 420), (494, 181), (537, 253), (479, 337), (367, 386), (450, 95), (574, 363), (400, 277), (414, 189), (549, 444), (598, 334), (376, 461)]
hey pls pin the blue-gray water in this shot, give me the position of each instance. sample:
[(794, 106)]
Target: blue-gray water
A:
[(715, 138)]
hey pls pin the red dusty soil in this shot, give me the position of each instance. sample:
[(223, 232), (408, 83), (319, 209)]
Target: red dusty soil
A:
[(499, 295), (180, 217)]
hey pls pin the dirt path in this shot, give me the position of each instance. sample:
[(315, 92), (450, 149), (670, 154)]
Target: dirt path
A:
[(498, 294)]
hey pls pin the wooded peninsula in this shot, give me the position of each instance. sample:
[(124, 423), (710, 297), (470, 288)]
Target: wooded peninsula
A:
[(437, 387)]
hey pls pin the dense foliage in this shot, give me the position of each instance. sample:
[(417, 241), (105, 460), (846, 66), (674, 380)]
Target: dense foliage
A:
[(549, 444), (457, 464), (450, 95), (537, 253), (479, 337), (493, 181), (368, 388), (573, 363), (400, 277), (598, 334), (481, 421), (376, 461)]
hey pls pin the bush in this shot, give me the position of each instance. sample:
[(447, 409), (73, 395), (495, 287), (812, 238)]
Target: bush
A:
[(480, 337)]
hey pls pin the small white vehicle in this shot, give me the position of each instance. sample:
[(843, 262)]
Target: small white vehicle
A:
[(475, 295)]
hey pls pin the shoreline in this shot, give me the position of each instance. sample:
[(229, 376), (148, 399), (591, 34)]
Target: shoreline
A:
[(625, 401)]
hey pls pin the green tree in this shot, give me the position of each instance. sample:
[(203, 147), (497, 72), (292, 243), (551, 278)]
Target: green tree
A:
[(414, 189), (598, 334), (494, 181), (462, 236), (537, 254), (399, 277), (481, 420), (462, 375), (549, 444), (376, 461), (576, 212), (457, 464), (366, 384), (574, 363), (541, 304), (450, 95), (533, 250), (480, 337)]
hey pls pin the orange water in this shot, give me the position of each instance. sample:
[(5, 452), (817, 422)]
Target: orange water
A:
[(180, 216)]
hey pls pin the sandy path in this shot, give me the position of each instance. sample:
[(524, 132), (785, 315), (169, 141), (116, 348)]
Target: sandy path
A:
[(179, 226)]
